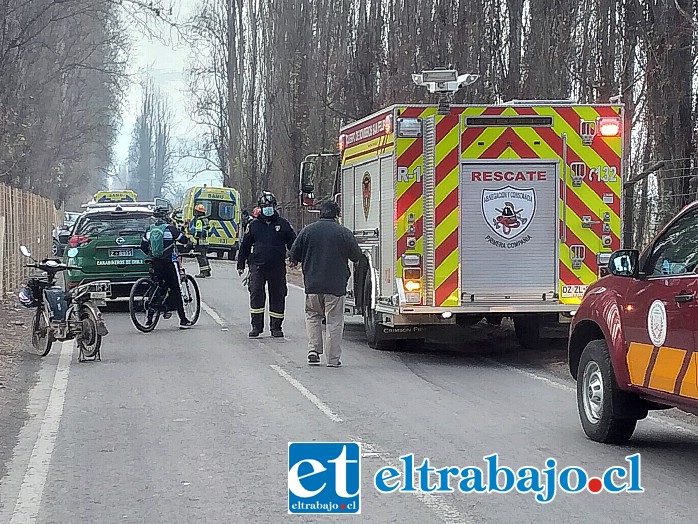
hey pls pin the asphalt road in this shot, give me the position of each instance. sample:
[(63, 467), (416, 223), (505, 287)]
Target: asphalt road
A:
[(194, 426)]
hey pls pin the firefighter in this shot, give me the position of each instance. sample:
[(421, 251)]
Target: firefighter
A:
[(199, 230), (263, 249)]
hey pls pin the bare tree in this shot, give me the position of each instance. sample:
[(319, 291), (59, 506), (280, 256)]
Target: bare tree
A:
[(152, 151)]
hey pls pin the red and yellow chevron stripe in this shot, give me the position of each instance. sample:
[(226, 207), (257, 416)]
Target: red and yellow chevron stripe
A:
[(447, 261), (409, 204)]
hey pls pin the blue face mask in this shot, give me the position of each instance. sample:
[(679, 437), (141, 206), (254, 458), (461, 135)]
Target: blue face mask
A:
[(268, 211)]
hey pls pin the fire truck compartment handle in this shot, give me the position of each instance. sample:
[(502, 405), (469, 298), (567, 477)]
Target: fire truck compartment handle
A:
[(563, 233)]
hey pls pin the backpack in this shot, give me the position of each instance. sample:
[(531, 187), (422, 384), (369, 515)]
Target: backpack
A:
[(156, 240)]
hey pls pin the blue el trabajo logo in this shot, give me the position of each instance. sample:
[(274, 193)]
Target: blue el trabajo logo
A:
[(324, 477)]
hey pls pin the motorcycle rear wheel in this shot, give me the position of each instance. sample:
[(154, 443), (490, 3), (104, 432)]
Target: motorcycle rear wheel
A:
[(89, 341)]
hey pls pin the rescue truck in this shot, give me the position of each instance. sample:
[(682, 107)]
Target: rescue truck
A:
[(474, 211)]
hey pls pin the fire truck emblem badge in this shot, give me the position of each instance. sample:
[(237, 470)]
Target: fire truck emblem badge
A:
[(657, 323), (508, 211), (366, 193), (577, 254)]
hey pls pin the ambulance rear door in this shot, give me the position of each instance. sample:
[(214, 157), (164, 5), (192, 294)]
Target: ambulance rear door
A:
[(509, 230)]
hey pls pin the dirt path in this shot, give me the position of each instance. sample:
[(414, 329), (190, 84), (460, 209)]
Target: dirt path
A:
[(17, 374)]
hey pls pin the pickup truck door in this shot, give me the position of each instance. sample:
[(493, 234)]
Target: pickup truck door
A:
[(661, 313)]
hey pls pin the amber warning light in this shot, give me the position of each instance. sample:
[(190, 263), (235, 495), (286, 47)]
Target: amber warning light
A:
[(388, 124), (608, 126)]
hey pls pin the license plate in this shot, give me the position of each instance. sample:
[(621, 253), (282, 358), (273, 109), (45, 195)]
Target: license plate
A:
[(125, 252), (98, 295), (573, 291)]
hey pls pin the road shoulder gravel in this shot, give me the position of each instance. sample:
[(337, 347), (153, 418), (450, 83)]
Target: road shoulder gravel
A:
[(18, 369)]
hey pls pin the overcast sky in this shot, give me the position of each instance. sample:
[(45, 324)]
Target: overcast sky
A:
[(165, 63)]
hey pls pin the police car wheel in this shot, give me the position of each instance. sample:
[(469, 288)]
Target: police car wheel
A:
[(606, 413)]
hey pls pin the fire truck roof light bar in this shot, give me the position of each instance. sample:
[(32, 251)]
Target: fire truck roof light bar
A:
[(518, 102), (509, 121), (443, 81)]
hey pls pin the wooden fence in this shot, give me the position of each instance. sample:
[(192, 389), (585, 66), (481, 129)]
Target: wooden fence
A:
[(28, 219)]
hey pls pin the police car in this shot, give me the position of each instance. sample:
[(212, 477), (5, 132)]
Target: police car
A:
[(106, 239), (633, 342)]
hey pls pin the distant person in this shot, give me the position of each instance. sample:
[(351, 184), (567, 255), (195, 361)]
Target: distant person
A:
[(263, 249), (198, 228), (246, 219), (324, 249)]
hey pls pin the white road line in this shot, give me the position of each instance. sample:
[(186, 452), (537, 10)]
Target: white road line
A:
[(32, 489), (440, 507), (307, 394), (212, 313), (435, 503), (530, 374), (657, 419)]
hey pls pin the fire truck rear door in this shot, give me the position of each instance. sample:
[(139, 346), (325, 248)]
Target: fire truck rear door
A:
[(509, 230)]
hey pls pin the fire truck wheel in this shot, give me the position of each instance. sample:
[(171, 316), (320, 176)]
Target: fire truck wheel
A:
[(608, 414), (373, 334), (527, 328)]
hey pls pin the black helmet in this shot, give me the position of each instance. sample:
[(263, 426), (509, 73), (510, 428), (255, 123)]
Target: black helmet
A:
[(266, 199)]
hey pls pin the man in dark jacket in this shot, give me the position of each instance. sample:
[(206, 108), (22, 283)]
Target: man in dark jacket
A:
[(264, 248), (324, 249)]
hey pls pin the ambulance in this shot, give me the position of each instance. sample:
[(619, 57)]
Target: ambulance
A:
[(474, 211), (223, 208)]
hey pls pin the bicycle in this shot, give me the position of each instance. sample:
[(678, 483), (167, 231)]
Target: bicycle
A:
[(148, 299)]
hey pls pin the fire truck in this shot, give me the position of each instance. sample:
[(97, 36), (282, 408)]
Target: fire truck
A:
[(475, 211)]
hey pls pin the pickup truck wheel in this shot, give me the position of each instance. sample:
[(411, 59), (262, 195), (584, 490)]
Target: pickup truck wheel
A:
[(527, 329), (601, 404), (373, 335)]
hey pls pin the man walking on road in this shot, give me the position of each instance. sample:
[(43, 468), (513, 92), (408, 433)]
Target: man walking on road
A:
[(264, 248), (324, 249)]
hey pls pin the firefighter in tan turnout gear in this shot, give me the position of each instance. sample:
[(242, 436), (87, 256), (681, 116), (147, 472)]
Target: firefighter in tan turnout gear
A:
[(263, 249), (199, 230)]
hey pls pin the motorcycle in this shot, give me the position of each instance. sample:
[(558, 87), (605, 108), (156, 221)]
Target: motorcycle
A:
[(65, 315)]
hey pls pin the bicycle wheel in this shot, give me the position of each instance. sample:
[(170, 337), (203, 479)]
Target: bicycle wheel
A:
[(191, 298), (144, 312)]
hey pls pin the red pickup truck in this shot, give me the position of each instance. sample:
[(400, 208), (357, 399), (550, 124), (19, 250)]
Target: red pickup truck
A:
[(633, 342)]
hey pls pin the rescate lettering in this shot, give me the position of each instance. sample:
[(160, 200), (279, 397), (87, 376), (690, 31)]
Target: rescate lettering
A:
[(509, 176)]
